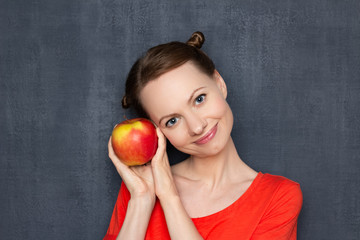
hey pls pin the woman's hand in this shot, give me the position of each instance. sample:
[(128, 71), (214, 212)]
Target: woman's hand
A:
[(138, 179), (140, 183), (163, 179), (150, 180), (179, 224)]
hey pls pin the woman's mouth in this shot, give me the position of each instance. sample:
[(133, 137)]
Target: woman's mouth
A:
[(208, 136)]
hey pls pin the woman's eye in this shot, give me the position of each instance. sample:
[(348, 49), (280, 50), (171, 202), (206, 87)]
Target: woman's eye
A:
[(171, 122), (200, 99)]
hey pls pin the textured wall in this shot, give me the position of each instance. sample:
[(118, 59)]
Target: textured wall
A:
[(292, 69)]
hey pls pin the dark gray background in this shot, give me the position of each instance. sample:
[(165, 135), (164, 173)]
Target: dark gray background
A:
[(293, 73)]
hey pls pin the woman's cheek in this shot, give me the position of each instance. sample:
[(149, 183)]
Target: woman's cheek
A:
[(218, 107), (175, 137)]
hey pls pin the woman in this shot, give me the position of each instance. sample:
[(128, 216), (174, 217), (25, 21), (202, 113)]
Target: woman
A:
[(211, 195)]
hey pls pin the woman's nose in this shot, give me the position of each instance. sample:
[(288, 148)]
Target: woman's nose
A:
[(196, 124)]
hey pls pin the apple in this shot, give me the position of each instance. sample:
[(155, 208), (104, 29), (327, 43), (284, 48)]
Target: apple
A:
[(134, 141)]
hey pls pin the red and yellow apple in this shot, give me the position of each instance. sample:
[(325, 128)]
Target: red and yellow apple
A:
[(135, 141)]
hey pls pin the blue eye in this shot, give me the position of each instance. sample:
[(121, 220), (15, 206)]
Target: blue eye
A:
[(200, 99), (171, 122)]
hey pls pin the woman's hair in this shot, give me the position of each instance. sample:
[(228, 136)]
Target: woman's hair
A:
[(161, 59)]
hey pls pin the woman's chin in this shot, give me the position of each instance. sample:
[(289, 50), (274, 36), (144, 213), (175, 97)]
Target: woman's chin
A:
[(209, 149)]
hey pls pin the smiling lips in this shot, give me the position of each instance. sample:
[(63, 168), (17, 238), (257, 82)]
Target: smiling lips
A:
[(208, 136)]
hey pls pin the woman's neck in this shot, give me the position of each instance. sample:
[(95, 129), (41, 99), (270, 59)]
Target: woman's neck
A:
[(219, 169)]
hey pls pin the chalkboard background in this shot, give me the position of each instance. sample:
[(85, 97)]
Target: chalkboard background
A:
[(293, 73)]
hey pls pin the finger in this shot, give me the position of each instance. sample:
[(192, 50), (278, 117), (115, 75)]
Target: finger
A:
[(127, 174), (160, 155), (161, 140), (161, 149)]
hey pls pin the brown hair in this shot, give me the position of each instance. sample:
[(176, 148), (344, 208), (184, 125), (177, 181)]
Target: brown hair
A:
[(161, 59)]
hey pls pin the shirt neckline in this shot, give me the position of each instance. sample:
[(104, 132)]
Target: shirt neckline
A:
[(236, 202)]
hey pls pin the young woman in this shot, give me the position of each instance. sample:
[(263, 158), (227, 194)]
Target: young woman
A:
[(211, 195)]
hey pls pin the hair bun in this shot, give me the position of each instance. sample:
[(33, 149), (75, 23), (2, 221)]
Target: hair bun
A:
[(125, 103), (196, 40)]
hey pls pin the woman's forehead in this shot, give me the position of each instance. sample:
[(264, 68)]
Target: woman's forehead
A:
[(184, 77), (173, 88)]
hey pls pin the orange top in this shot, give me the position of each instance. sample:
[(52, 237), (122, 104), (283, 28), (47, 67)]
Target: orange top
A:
[(267, 210)]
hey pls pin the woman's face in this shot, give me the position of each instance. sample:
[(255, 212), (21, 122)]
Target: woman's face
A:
[(190, 109)]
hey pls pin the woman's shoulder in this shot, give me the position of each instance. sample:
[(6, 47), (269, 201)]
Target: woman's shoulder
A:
[(277, 181), (280, 190)]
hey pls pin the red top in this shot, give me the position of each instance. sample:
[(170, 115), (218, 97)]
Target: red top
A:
[(267, 210)]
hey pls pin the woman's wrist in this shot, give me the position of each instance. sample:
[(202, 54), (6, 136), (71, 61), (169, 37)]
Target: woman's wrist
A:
[(137, 218), (143, 201), (175, 213), (170, 200)]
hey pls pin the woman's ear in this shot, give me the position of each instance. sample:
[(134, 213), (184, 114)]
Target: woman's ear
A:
[(220, 83)]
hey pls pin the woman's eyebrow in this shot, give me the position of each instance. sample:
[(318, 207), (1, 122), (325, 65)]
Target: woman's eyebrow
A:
[(166, 116), (191, 97)]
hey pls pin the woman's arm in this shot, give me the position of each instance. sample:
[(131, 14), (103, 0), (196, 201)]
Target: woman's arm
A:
[(179, 223), (136, 219), (280, 218), (139, 181)]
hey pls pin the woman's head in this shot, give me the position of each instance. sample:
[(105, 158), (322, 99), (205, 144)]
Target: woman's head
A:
[(190, 109), (176, 85), (162, 59)]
